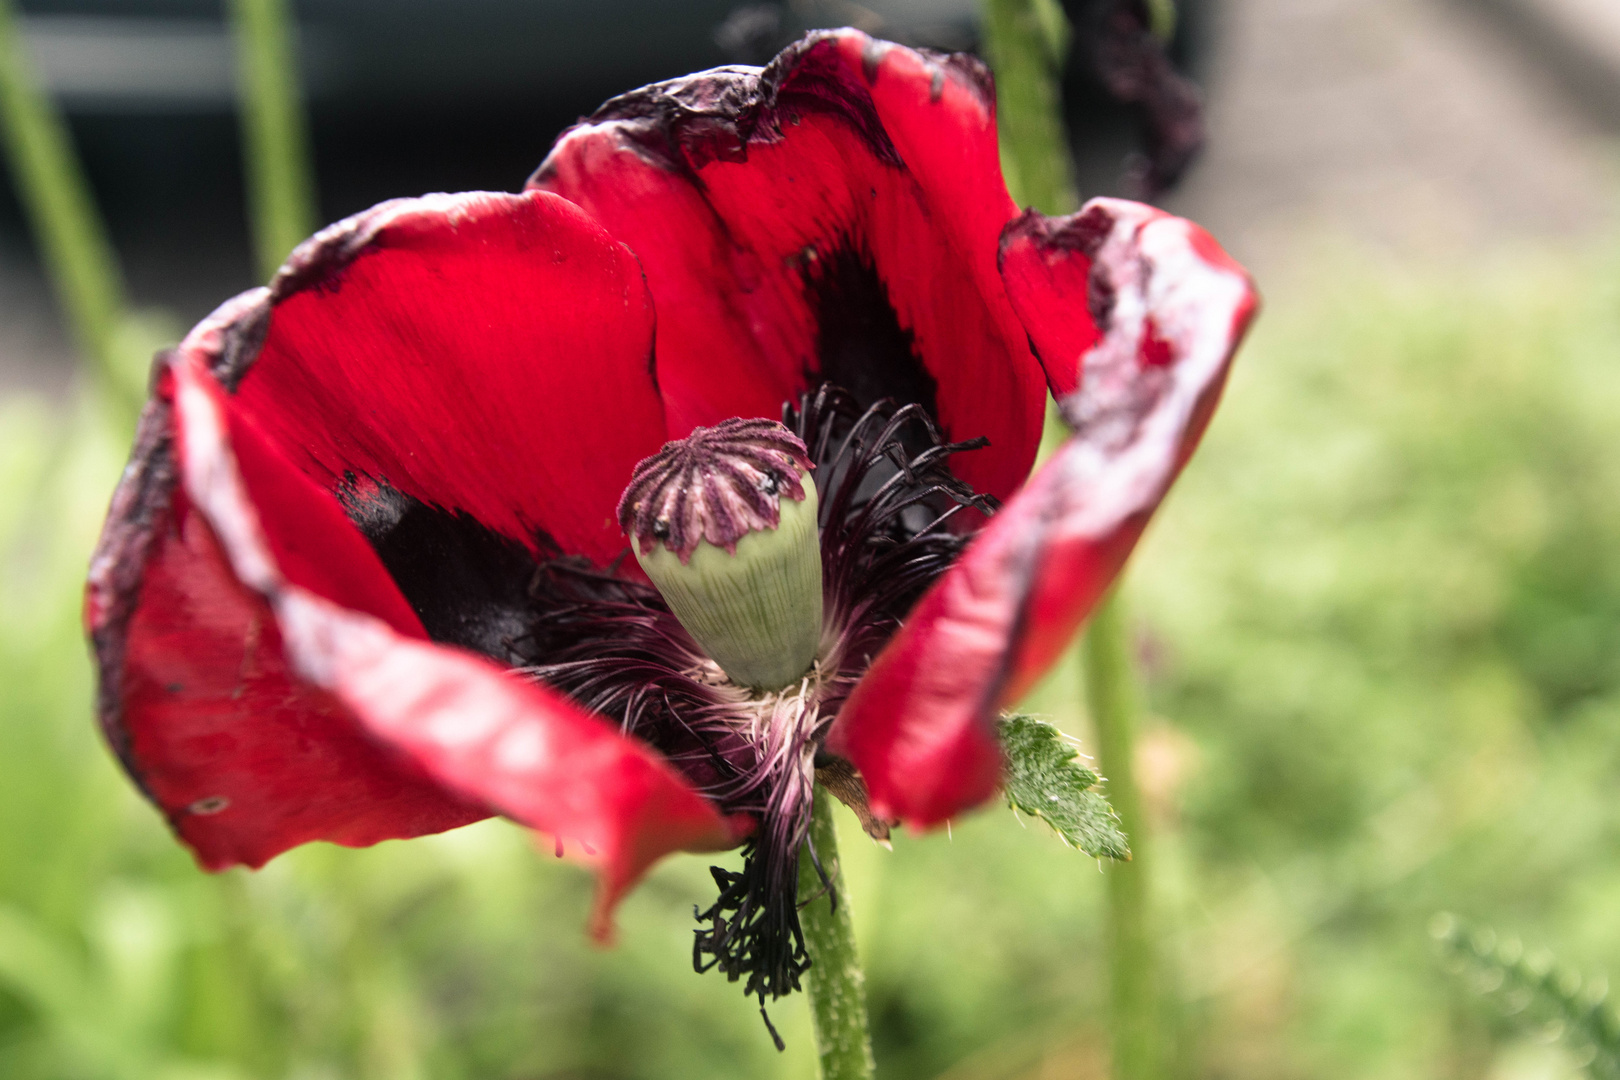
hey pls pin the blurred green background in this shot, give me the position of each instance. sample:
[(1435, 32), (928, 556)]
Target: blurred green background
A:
[(1378, 625)]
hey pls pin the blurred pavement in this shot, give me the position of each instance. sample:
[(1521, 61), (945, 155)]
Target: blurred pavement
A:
[(1420, 129)]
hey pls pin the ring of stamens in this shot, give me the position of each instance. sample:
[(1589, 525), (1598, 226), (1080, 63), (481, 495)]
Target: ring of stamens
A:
[(891, 520)]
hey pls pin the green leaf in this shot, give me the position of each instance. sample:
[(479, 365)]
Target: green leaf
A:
[(1045, 779)]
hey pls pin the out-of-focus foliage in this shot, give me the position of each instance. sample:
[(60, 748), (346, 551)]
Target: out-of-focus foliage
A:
[(1533, 989), (1386, 608), (1380, 624)]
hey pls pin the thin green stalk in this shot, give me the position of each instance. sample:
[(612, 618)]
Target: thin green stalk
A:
[(79, 258), (837, 984), (1022, 46), (275, 139), (1025, 40), (1111, 697), (1162, 17)]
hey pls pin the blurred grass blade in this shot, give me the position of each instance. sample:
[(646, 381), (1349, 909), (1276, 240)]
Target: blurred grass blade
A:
[(275, 137), (37, 969), (73, 242)]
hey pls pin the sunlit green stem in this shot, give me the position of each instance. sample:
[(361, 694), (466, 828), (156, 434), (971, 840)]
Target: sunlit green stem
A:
[(275, 142), (837, 984), (1022, 44), (1111, 697), (1162, 18), (73, 243), (1025, 40)]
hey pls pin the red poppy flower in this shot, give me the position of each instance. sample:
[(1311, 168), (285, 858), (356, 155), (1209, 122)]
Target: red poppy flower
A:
[(364, 578)]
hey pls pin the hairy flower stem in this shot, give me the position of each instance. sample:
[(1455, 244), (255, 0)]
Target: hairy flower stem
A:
[(72, 238), (1111, 697), (275, 143), (837, 984)]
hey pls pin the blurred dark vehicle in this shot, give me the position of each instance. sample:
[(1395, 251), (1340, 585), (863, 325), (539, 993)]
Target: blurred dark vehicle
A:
[(405, 96)]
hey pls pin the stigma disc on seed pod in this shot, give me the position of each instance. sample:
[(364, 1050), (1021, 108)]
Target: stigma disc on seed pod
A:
[(724, 523)]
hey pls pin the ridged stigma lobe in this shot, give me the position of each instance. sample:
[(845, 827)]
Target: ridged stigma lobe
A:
[(718, 484)]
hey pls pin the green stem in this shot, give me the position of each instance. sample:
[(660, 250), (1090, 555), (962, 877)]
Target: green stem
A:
[(1022, 46), (1162, 17), (1025, 39), (79, 258), (275, 142), (1111, 694), (837, 984)]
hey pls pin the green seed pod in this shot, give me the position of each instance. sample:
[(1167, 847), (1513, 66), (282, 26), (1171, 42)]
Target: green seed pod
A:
[(724, 523)]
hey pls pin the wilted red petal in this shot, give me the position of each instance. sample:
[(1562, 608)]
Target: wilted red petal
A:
[(197, 698), (1172, 308), (486, 353), (245, 759), (834, 216), (260, 713), (514, 745), (483, 734)]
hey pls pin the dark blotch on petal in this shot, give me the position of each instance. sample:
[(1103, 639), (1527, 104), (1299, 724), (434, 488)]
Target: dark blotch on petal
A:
[(860, 344), (468, 583)]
